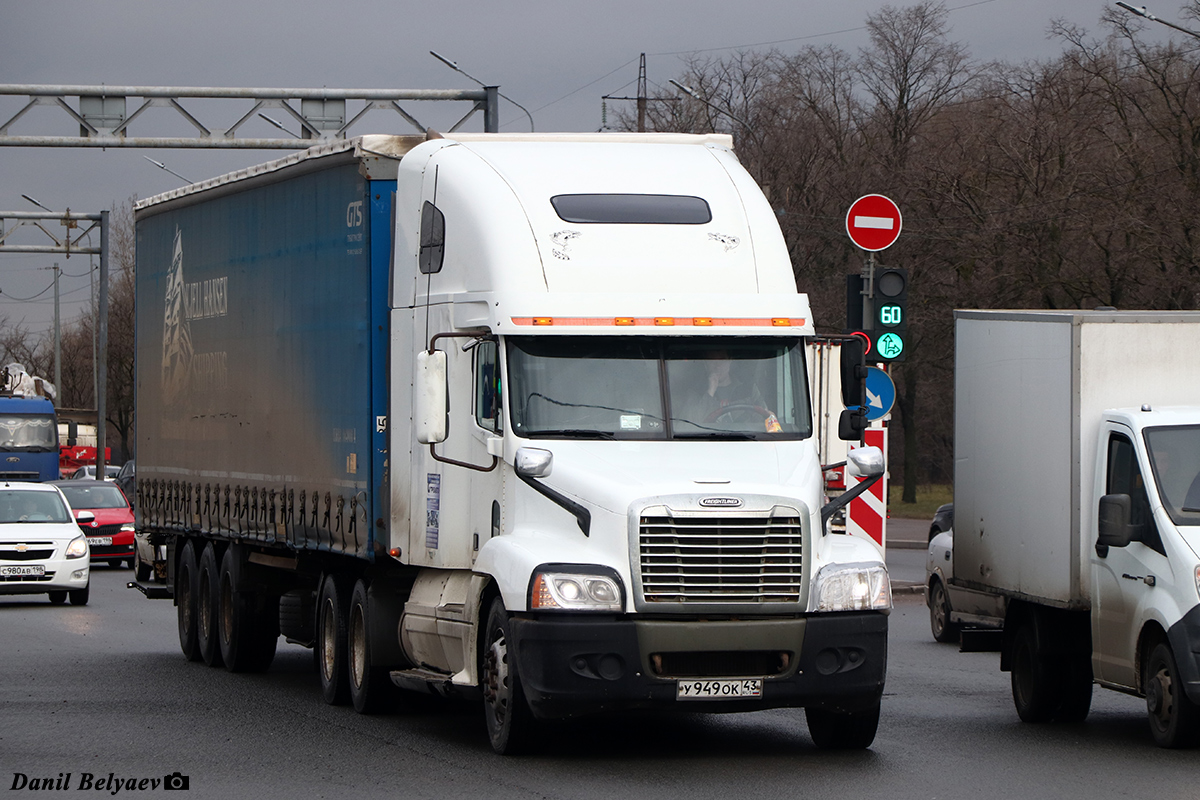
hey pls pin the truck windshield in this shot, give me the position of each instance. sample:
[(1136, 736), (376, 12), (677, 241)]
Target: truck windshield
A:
[(599, 387), (1175, 458), (18, 432)]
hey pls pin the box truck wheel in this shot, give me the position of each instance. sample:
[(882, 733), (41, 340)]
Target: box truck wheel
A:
[(206, 606), (371, 688), (332, 611), (1033, 685), (185, 602), (1076, 695), (247, 619), (939, 614), (1174, 719), (510, 723)]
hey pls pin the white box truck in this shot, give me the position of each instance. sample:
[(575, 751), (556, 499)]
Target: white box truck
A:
[(1077, 501), (524, 417)]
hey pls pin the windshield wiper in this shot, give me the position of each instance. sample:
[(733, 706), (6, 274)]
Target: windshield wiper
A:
[(736, 436), (573, 433)]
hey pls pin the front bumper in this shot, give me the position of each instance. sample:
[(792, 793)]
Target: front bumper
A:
[(61, 575), (577, 665)]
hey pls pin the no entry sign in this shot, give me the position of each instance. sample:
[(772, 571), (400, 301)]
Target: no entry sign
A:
[(873, 222)]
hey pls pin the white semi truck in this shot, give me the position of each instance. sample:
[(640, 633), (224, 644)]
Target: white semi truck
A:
[(1077, 505), (525, 417)]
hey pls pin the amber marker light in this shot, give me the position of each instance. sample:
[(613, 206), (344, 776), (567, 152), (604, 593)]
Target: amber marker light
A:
[(664, 320), (623, 321), (781, 322), (702, 321), (543, 320)]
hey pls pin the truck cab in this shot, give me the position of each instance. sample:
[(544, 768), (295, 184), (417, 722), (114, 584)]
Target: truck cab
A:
[(1145, 572), (28, 439)]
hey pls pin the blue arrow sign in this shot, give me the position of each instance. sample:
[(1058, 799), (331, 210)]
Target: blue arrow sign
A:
[(881, 393)]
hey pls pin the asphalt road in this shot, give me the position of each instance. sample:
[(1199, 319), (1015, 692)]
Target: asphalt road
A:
[(103, 689)]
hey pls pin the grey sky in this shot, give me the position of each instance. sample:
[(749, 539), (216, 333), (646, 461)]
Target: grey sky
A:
[(542, 54)]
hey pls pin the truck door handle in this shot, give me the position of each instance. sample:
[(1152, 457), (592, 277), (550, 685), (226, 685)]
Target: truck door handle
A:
[(1149, 580)]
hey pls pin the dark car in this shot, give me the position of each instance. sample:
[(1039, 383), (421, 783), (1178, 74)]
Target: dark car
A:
[(943, 520)]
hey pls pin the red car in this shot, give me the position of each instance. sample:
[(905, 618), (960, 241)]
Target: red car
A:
[(110, 534)]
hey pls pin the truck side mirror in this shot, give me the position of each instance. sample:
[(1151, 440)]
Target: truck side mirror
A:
[(865, 462), (431, 402), (533, 462), (853, 372), (852, 423), (1115, 513)]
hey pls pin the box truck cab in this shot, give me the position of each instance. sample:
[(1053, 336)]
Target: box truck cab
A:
[(1145, 568), (1077, 505)]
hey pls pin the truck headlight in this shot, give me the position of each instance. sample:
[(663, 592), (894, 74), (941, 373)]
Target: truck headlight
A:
[(575, 591), (852, 587), (78, 548)]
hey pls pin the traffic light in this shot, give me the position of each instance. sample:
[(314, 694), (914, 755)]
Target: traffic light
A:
[(890, 318)]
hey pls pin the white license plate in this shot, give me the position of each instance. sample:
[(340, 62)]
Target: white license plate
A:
[(32, 570), (99, 541), (719, 690)]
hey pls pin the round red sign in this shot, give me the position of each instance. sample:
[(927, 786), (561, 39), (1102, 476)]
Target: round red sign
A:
[(873, 222)]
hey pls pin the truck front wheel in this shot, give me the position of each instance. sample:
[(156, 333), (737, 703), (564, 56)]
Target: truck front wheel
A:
[(332, 617), (1174, 719), (840, 730), (510, 723), (1033, 685)]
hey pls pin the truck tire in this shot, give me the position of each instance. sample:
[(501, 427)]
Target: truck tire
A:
[(510, 723), (841, 730), (247, 633), (185, 602), (1174, 718), (1034, 689), (331, 649), (207, 590), (371, 688), (1076, 691), (939, 614)]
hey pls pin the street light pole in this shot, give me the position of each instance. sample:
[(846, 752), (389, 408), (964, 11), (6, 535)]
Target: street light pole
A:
[(454, 66), (1142, 12)]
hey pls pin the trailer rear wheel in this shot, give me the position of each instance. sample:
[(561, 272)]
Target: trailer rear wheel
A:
[(332, 616), (841, 730), (185, 602), (1033, 685), (371, 688), (206, 607), (510, 723), (248, 625), (1174, 718)]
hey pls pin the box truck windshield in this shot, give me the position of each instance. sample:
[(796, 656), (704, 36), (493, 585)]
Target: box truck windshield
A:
[(1175, 456), (28, 433), (658, 388)]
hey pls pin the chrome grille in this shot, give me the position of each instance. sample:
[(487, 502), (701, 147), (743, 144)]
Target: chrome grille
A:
[(721, 559)]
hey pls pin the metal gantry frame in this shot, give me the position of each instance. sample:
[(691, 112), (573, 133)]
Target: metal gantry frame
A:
[(101, 112), (70, 244)]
